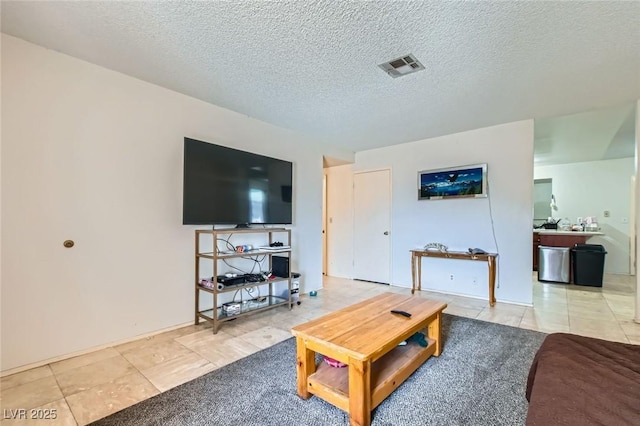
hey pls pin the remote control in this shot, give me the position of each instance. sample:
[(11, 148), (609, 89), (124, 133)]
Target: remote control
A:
[(403, 313)]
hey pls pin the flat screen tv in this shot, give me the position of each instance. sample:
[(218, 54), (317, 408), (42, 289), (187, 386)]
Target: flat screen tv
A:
[(226, 186)]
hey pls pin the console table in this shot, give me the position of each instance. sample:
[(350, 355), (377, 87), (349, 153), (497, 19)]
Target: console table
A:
[(416, 267)]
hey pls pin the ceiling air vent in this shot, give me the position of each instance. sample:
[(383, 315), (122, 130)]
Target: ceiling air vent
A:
[(402, 66)]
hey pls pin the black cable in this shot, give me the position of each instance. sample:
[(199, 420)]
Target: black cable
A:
[(493, 230), (227, 242), (250, 291), (230, 247), (257, 261), (233, 267)]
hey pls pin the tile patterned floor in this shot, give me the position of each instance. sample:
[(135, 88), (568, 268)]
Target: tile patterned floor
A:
[(86, 388)]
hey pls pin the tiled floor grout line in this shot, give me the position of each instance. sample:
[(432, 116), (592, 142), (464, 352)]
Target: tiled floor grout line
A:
[(70, 410)]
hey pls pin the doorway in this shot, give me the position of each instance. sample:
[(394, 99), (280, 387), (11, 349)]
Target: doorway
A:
[(372, 221), (543, 200), (324, 224)]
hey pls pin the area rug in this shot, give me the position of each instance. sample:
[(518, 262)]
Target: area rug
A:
[(479, 379)]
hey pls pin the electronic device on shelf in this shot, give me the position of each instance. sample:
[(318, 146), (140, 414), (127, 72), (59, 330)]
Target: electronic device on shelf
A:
[(278, 248), (240, 279), (232, 308), (220, 182), (229, 281), (253, 278), (280, 266), (477, 251)]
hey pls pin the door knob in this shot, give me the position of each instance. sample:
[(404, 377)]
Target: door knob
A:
[(386, 232)]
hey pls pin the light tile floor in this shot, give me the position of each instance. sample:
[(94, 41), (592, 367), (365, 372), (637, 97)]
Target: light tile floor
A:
[(86, 388)]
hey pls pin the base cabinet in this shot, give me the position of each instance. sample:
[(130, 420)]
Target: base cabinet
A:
[(536, 245), (551, 240)]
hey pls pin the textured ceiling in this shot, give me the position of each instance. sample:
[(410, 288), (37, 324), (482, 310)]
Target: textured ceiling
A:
[(311, 66)]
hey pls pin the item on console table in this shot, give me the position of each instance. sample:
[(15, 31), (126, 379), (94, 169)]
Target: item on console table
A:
[(436, 246)]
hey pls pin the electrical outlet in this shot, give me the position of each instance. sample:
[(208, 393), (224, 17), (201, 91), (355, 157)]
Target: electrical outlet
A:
[(625, 220), (475, 280), (451, 277), (607, 213)]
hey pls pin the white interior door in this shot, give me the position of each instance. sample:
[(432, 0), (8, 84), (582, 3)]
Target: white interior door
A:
[(372, 221)]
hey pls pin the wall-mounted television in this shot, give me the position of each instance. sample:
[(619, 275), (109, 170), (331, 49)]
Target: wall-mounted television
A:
[(453, 182), (226, 186)]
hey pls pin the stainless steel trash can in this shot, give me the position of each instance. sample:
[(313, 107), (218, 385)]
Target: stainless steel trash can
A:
[(553, 264)]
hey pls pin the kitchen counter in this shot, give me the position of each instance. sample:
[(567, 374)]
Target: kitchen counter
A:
[(576, 233)]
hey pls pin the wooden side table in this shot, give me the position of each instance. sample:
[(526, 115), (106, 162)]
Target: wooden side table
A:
[(416, 267)]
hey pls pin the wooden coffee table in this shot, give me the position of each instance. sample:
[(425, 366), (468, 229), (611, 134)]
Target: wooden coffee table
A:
[(366, 336)]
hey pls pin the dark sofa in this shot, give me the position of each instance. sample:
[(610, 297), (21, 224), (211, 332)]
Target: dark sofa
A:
[(576, 380)]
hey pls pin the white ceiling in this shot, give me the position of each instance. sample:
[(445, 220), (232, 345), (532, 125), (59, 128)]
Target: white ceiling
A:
[(312, 66)]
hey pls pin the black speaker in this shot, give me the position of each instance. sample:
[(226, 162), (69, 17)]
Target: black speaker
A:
[(280, 266)]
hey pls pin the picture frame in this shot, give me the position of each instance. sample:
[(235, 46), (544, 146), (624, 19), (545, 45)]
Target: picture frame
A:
[(453, 182)]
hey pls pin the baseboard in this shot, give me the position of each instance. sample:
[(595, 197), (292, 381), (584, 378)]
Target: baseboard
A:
[(477, 297)]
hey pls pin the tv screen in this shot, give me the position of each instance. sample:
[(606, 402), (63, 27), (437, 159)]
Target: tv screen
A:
[(227, 186)]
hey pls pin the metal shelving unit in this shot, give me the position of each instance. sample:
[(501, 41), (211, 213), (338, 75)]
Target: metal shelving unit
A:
[(244, 307)]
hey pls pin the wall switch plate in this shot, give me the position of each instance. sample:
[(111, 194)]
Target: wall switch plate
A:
[(607, 213), (625, 220)]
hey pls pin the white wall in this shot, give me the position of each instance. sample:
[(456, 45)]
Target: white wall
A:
[(458, 223), (590, 188), (95, 156)]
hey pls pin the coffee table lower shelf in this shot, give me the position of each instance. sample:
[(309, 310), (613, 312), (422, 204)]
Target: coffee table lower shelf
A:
[(387, 374)]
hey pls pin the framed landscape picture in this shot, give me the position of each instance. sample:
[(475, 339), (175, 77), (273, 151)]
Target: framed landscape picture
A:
[(453, 182)]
